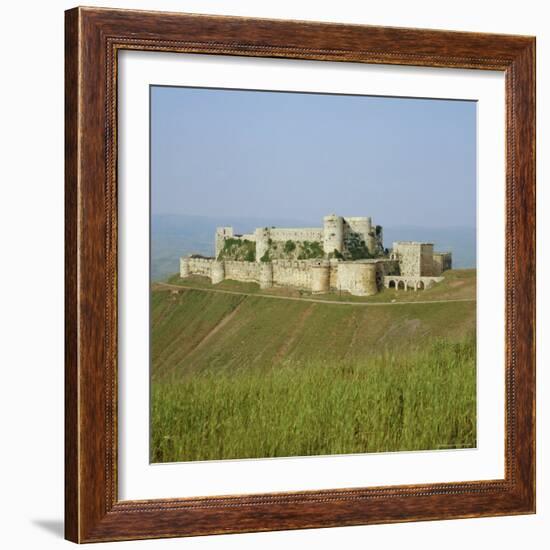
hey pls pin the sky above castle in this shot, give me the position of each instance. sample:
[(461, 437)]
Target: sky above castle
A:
[(255, 154)]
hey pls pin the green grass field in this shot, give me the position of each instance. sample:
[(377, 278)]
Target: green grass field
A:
[(243, 376)]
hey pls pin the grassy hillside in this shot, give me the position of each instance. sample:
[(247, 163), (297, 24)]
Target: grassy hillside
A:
[(243, 375), (196, 330), (425, 400)]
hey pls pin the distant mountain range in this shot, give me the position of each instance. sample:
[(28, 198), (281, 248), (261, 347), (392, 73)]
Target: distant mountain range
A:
[(174, 235)]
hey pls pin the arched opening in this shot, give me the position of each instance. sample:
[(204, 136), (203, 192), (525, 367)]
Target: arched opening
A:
[(391, 284), (401, 285), (420, 285)]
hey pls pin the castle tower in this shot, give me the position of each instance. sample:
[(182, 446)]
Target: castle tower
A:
[(266, 274), (184, 267), (358, 278), (320, 277), (363, 226), (333, 233), (378, 233), (262, 242), (368, 283), (415, 258), (222, 233), (217, 272)]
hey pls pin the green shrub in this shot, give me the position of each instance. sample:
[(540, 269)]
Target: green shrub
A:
[(238, 249), (357, 248), (290, 246), (310, 250)]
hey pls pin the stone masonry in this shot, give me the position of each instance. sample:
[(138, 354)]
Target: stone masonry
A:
[(346, 254)]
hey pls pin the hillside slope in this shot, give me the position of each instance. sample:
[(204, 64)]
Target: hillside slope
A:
[(237, 373), (195, 329)]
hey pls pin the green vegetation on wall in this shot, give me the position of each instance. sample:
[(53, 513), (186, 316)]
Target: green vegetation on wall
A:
[(290, 246), (292, 250), (335, 254), (309, 250), (357, 248), (238, 249)]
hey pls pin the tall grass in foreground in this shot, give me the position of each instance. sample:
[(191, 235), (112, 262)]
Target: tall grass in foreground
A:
[(421, 400)]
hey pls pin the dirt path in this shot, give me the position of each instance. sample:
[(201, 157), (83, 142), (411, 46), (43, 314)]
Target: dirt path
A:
[(289, 342), (314, 300), (215, 330)]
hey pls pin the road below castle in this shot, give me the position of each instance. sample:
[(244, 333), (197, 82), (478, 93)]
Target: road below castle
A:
[(168, 286)]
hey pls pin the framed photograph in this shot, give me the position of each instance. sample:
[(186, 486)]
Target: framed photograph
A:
[(300, 275)]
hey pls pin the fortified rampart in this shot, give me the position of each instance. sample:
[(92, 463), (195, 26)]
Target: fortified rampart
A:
[(415, 259), (441, 262), (343, 237), (346, 254), (361, 278)]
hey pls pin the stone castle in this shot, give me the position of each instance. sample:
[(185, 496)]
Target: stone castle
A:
[(346, 254)]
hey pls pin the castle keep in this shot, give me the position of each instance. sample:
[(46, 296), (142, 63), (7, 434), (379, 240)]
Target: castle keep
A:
[(346, 254)]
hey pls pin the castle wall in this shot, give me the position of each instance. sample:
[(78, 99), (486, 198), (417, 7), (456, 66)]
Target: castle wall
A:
[(320, 276), (361, 278), (387, 267), (296, 234), (441, 262), (184, 267), (415, 259), (361, 226), (262, 242), (242, 271), (358, 278), (217, 272), (266, 275), (427, 260), (332, 235), (222, 233), (296, 273), (200, 266), (408, 263), (333, 274)]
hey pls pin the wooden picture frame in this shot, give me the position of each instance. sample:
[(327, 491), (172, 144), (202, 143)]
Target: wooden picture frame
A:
[(93, 511)]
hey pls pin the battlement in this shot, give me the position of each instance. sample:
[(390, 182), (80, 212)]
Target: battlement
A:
[(349, 238), (345, 254)]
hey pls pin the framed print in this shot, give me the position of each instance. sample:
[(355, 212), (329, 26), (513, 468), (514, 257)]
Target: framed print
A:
[(300, 275)]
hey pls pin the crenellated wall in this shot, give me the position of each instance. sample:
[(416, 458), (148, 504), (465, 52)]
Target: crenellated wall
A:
[(296, 234), (295, 273), (242, 271), (351, 237), (200, 266), (409, 261), (361, 278)]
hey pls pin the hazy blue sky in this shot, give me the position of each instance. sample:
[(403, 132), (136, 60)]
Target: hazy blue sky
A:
[(302, 156)]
